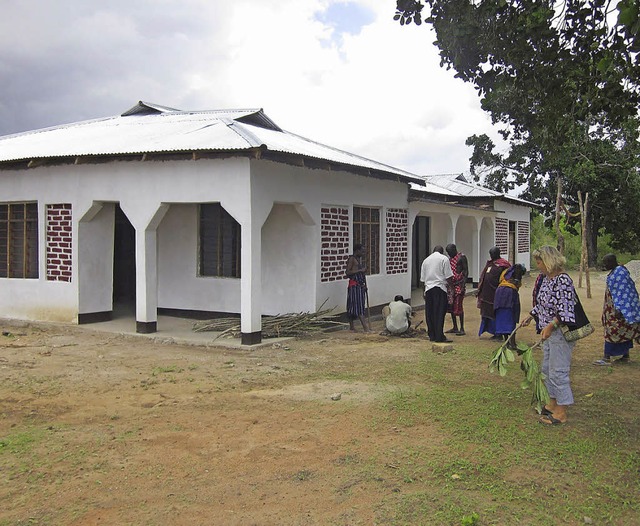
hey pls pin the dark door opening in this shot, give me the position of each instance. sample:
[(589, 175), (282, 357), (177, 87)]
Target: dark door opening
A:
[(124, 260), (512, 242), (421, 244)]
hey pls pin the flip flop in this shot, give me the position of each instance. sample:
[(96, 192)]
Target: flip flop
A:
[(549, 420), (602, 362)]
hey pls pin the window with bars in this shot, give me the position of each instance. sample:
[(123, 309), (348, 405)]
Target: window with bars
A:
[(219, 242), (366, 231), (19, 240)]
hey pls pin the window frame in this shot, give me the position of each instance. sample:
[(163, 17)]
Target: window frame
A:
[(19, 233), (368, 232), (215, 222)]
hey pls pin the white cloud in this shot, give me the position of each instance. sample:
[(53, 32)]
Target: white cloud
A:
[(365, 84)]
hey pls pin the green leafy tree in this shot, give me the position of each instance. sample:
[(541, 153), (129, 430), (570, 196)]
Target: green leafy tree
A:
[(562, 82)]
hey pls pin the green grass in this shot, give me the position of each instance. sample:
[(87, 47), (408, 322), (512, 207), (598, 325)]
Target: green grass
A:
[(497, 459)]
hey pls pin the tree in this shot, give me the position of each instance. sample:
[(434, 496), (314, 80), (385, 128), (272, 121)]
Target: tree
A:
[(563, 85)]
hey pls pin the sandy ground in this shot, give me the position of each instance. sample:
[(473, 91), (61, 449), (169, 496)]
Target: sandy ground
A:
[(137, 431)]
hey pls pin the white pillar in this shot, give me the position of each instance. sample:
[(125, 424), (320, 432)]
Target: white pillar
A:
[(451, 238), (251, 283), (479, 260), (147, 273), (146, 281)]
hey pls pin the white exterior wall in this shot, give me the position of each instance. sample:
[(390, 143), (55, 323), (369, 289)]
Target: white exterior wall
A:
[(278, 207), (514, 212), (179, 286), (142, 189), (313, 188)]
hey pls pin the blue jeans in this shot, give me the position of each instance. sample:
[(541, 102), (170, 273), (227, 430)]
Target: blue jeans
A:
[(556, 363)]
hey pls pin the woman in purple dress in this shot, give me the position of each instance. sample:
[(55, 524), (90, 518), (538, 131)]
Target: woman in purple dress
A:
[(555, 305)]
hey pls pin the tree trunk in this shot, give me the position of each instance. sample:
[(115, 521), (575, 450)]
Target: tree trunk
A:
[(592, 237), (584, 253), (558, 208)]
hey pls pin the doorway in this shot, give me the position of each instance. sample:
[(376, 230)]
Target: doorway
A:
[(421, 243), (124, 260)]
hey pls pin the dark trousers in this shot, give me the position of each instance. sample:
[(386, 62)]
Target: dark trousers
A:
[(435, 310)]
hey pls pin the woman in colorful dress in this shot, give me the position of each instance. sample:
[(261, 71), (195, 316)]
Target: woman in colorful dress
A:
[(357, 288), (457, 288), (556, 305), (620, 313), (506, 302)]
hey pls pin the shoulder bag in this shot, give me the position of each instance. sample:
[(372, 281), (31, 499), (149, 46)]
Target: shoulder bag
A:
[(582, 327)]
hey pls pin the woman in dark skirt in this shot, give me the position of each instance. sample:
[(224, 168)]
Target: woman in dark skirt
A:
[(357, 288)]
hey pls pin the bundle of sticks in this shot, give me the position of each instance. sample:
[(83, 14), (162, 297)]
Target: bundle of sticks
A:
[(291, 324)]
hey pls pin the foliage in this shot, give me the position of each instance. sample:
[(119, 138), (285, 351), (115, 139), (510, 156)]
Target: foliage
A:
[(563, 84), (533, 376), (544, 234)]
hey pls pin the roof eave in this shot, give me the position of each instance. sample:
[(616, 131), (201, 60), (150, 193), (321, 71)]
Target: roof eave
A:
[(260, 152)]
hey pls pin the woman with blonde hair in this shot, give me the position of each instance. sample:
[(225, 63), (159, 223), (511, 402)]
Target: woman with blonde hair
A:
[(556, 305)]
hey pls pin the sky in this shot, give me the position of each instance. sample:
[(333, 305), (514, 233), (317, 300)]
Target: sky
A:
[(340, 72)]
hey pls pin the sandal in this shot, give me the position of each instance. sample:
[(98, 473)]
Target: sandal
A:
[(549, 420), (602, 362), (545, 412)]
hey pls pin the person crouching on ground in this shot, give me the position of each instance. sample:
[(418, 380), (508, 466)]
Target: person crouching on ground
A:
[(398, 317)]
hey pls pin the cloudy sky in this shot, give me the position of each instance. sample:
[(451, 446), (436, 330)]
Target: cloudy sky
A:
[(341, 72)]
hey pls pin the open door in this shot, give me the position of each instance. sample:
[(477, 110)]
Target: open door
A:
[(124, 261)]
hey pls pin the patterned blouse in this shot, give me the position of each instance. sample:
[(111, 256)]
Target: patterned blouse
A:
[(556, 299)]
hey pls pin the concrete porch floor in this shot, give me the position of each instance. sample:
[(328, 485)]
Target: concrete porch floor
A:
[(173, 330)]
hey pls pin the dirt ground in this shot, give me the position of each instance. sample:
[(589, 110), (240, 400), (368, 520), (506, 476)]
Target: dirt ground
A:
[(141, 432)]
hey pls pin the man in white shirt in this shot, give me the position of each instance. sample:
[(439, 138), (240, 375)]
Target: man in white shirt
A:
[(398, 317), (435, 271)]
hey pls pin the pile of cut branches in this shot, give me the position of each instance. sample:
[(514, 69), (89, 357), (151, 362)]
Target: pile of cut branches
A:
[(291, 324)]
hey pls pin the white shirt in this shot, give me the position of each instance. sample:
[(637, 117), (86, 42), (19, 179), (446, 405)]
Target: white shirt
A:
[(397, 320), (435, 271)]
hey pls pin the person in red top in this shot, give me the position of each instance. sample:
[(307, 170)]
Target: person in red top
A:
[(489, 281), (456, 288)]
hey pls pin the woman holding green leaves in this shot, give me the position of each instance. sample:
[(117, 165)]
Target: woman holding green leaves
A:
[(556, 305)]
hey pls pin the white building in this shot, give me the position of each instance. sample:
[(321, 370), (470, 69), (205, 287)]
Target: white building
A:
[(210, 212)]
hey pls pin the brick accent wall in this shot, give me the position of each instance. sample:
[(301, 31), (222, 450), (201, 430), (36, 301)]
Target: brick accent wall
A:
[(334, 249), (397, 228), (502, 235), (524, 241), (59, 242)]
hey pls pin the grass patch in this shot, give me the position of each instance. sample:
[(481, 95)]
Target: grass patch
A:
[(495, 457)]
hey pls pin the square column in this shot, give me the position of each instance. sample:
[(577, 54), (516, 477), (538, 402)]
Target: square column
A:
[(251, 284), (146, 282)]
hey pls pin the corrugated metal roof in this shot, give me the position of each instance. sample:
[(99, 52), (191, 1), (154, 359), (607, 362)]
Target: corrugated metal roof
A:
[(458, 185), (150, 128)]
